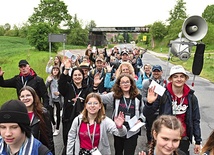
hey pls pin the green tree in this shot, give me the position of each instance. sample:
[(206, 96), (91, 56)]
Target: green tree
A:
[(54, 12), (158, 30), (208, 14), (38, 37), (90, 25), (2, 30), (179, 12)]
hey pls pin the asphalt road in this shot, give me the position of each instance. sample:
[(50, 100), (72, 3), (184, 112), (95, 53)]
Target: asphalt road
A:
[(204, 90)]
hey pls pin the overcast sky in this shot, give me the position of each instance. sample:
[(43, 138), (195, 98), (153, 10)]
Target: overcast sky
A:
[(104, 13)]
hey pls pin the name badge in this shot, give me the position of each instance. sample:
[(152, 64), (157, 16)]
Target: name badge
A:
[(127, 117)]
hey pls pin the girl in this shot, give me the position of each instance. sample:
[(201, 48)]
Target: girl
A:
[(167, 131), (55, 97), (56, 62), (90, 129), (39, 117), (208, 148), (125, 98)]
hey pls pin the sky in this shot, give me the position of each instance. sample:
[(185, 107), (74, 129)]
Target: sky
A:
[(108, 13)]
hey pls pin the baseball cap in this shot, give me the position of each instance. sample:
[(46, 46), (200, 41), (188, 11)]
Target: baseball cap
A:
[(157, 67), (14, 111), (23, 62), (177, 69), (125, 52), (99, 59)]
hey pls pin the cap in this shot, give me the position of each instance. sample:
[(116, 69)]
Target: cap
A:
[(99, 59), (125, 52), (177, 69), (156, 67), (23, 62), (84, 65), (14, 111)]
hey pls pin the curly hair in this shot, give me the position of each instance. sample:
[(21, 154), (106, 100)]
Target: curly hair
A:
[(101, 113), (127, 64), (169, 121), (118, 93)]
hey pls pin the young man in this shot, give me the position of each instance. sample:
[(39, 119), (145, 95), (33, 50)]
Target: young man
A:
[(27, 76), (178, 100), (16, 137)]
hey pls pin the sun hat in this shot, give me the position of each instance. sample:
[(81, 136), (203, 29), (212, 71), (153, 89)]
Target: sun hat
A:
[(177, 69)]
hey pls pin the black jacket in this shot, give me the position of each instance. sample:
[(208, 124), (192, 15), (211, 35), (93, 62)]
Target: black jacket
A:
[(35, 129), (34, 81)]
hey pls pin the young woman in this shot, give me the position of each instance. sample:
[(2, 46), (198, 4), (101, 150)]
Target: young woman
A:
[(125, 98), (16, 137), (208, 148), (55, 97), (90, 129), (40, 122), (56, 62), (74, 94), (166, 132)]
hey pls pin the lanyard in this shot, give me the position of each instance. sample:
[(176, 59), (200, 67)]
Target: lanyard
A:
[(77, 95), (127, 106), (93, 134), (24, 83)]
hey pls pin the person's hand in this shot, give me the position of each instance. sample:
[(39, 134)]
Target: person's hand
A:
[(151, 95), (67, 63), (1, 72), (119, 120), (142, 153), (97, 79), (56, 93), (109, 67), (197, 149), (49, 78)]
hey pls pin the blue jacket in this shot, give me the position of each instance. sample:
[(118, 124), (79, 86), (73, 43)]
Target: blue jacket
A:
[(164, 105), (28, 148)]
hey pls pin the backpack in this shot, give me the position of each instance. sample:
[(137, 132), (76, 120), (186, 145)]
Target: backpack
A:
[(43, 150)]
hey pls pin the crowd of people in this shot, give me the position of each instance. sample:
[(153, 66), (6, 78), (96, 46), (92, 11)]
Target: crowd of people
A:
[(80, 87)]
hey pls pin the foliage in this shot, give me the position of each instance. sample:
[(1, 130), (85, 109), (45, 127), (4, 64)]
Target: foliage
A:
[(158, 30), (54, 12), (2, 30), (90, 25), (174, 29), (78, 36), (208, 14), (38, 37), (179, 12)]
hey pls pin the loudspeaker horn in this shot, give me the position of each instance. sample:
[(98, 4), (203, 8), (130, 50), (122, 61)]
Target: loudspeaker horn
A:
[(194, 28)]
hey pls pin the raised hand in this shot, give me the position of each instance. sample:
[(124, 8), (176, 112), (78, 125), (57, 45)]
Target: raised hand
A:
[(119, 120), (142, 153), (1, 72), (97, 79), (151, 95), (109, 67)]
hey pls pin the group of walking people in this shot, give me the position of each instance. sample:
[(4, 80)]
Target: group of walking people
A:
[(83, 90)]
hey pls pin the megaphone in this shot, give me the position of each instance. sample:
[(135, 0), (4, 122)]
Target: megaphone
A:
[(194, 28)]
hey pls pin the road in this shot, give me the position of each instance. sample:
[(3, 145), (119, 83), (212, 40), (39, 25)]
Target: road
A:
[(204, 90)]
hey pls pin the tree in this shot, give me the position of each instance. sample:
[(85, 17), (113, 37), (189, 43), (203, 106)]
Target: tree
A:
[(54, 12), (91, 25), (179, 12), (38, 36), (158, 30), (208, 14)]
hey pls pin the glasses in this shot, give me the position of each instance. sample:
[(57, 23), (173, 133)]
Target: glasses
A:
[(26, 96), (125, 83), (92, 103)]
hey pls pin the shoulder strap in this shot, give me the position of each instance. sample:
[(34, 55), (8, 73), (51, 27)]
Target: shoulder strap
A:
[(43, 150)]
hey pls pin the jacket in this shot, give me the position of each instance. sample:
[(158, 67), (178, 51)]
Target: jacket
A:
[(32, 147), (107, 126), (34, 81), (164, 104), (37, 133)]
